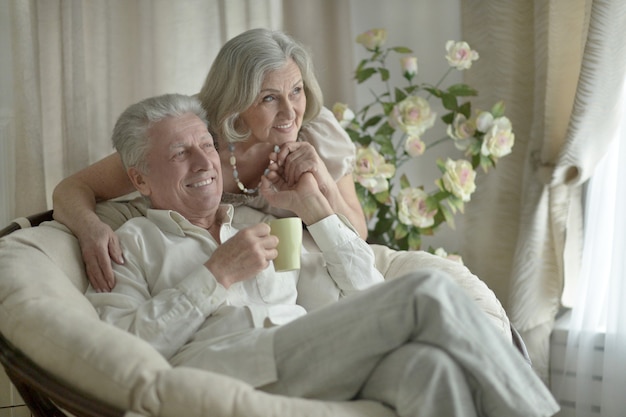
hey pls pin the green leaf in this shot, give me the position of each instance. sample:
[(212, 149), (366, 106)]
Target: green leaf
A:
[(498, 109), (476, 160), (385, 129), (384, 73), (372, 121), (486, 162), (382, 197), (404, 182), (368, 202), (400, 95), (415, 240), (434, 91), (401, 49), (474, 148), (438, 196), (448, 216), (432, 203), (362, 64), (400, 231), (364, 74), (387, 107), (441, 164), (411, 89), (387, 149), (466, 109), (462, 90), (449, 101), (448, 118), (455, 203), (383, 226), (361, 140)]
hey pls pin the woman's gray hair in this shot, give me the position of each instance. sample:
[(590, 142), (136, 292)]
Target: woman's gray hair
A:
[(236, 78), (130, 135)]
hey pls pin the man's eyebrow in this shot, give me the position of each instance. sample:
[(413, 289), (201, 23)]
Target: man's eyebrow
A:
[(177, 145)]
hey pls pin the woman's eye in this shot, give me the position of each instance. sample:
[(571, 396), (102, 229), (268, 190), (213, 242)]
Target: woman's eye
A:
[(268, 99), (297, 90)]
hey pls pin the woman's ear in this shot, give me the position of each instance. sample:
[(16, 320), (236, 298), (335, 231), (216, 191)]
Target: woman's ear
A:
[(138, 179)]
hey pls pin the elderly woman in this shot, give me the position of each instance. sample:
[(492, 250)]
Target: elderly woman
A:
[(265, 104)]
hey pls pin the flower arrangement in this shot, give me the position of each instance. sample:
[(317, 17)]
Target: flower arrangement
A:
[(389, 132)]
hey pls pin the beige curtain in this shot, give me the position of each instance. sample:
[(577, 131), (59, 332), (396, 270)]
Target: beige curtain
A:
[(558, 65), (332, 47), (77, 64)]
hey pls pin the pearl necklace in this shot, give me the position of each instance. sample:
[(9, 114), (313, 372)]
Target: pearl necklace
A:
[(233, 164)]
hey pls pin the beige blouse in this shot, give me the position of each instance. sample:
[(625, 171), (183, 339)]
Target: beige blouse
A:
[(333, 145)]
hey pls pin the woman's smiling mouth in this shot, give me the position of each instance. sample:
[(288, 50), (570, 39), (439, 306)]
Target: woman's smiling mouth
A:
[(285, 126)]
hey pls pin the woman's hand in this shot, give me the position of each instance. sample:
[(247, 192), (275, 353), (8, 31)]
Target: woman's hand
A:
[(297, 158), (304, 198), (100, 246), (74, 202)]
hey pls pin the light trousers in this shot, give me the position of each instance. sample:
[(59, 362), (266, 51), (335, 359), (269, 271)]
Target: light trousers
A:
[(418, 344)]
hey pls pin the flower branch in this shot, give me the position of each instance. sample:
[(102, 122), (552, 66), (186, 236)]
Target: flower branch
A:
[(388, 133)]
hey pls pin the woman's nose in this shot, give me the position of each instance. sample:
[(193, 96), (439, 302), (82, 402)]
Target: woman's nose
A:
[(287, 109)]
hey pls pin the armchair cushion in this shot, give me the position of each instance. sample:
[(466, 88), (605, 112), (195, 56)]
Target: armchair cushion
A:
[(44, 314)]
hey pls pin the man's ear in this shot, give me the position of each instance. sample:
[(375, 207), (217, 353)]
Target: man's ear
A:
[(138, 179)]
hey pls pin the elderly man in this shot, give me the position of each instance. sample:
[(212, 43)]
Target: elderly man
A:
[(207, 295)]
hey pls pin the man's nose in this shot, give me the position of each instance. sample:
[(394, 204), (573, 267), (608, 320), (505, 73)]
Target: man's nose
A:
[(201, 160)]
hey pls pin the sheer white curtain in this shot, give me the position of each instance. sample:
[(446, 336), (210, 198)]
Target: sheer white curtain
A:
[(599, 308)]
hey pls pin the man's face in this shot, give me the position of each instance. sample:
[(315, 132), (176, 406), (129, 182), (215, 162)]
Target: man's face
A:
[(184, 171)]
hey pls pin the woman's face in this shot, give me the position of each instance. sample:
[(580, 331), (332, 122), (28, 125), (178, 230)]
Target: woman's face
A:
[(276, 115)]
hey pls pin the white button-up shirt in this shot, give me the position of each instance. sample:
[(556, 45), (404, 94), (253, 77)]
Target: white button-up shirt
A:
[(165, 295)]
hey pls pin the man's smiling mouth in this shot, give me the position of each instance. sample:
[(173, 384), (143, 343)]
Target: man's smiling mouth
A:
[(202, 183)]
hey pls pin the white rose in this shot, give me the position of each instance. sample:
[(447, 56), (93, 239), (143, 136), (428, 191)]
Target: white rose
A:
[(499, 139), (414, 146), (412, 115), (413, 208), (459, 178), (343, 114), (462, 131), (460, 55), (484, 121), (371, 170)]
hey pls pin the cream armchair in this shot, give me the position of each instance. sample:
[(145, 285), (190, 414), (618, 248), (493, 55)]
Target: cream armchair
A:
[(60, 355)]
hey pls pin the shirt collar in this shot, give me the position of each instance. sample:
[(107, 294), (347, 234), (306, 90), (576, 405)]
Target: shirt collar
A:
[(173, 222)]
